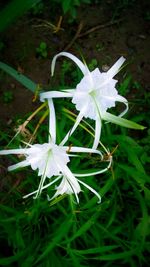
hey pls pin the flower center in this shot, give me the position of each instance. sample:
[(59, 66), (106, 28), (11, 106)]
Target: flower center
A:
[(92, 93)]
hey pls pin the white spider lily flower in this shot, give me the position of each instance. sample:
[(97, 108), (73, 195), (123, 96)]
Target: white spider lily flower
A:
[(94, 94), (51, 160), (70, 184)]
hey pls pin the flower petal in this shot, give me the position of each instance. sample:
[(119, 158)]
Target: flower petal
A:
[(65, 187), (21, 164), (115, 68), (85, 150), (91, 189), (97, 133), (55, 94), (94, 173), (72, 180), (14, 151), (79, 63), (122, 99), (43, 178), (45, 186), (78, 119), (52, 121)]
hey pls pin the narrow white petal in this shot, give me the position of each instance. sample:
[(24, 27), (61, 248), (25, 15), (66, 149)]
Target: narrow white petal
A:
[(79, 63), (14, 151), (91, 189), (21, 164), (85, 150), (78, 119), (45, 186), (52, 121), (55, 94), (97, 133), (68, 90), (122, 99), (43, 178), (94, 173), (71, 179), (65, 187), (115, 68)]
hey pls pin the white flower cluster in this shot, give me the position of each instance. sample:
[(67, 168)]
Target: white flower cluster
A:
[(92, 97)]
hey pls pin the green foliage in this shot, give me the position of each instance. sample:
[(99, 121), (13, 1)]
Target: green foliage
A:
[(19, 77), (7, 96), (93, 64), (70, 6), (124, 87), (13, 10), (42, 50), (113, 233)]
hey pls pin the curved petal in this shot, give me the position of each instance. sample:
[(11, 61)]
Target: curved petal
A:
[(115, 68), (65, 187), (94, 173), (97, 133), (52, 121), (72, 181), (54, 94), (91, 189), (45, 186), (122, 99), (79, 63)]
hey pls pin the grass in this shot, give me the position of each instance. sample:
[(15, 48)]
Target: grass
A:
[(62, 233)]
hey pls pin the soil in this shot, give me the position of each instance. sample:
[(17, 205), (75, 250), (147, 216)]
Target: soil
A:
[(121, 30)]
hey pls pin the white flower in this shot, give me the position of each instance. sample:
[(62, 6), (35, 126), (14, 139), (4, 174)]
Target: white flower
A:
[(94, 94), (51, 160), (97, 93)]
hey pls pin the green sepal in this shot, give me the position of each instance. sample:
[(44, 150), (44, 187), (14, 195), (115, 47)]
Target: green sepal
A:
[(121, 121)]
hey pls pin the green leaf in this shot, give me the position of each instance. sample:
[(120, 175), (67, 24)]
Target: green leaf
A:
[(95, 250), (19, 77), (122, 122), (140, 177), (116, 256), (61, 232), (66, 5), (13, 10), (86, 226), (43, 45), (124, 87)]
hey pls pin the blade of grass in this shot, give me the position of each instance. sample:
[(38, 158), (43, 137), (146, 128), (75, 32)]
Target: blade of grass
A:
[(117, 256), (19, 77), (101, 249), (57, 237)]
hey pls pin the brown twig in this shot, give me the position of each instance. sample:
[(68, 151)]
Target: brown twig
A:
[(101, 26), (80, 27), (75, 37)]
